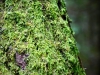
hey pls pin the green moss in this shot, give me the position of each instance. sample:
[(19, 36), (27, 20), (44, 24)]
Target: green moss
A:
[(40, 29)]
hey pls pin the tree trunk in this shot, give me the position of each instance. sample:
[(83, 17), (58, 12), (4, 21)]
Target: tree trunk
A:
[(40, 29), (94, 28)]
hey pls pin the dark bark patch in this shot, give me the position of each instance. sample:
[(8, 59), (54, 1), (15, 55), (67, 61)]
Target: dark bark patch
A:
[(63, 17), (59, 4), (20, 60)]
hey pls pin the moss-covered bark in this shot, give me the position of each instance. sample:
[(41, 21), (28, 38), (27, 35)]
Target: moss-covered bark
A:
[(41, 29)]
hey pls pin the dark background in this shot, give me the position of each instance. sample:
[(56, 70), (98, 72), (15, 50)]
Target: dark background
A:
[(85, 15)]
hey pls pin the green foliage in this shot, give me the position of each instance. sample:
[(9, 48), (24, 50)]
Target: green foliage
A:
[(37, 28)]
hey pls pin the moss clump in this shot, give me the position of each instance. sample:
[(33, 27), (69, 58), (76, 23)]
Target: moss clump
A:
[(38, 28)]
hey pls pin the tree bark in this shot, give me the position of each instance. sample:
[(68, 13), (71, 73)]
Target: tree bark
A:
[(41, 30)]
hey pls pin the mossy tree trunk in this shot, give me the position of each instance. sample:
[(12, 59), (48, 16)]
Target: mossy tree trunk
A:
[(39, 28)]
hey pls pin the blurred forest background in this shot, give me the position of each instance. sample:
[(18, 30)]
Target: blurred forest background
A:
[(85, 15)]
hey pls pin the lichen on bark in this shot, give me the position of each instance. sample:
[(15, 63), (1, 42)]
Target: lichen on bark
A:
[(41, 29)]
